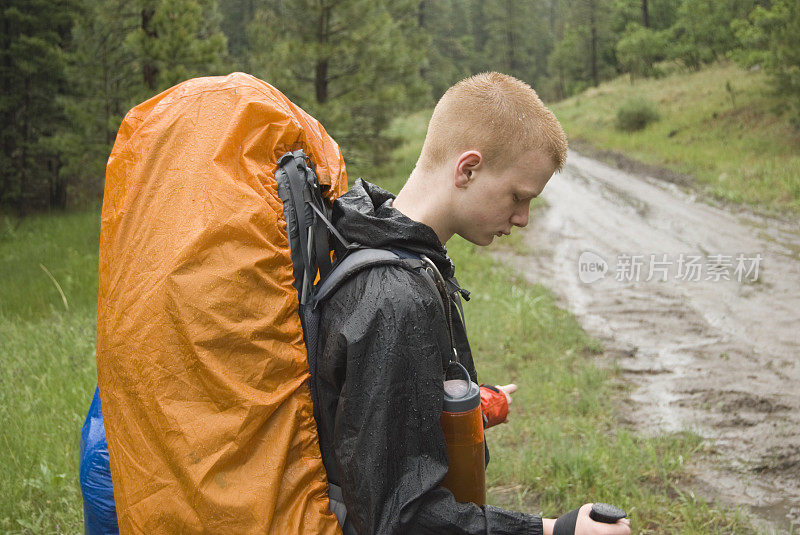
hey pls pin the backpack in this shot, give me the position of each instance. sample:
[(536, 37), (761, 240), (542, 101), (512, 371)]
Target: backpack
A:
[(201, 360), (172, 460), (95, 476)]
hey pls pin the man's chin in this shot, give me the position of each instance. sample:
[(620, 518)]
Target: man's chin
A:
[(483, 242)]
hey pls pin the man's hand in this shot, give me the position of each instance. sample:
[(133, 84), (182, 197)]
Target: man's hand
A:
[(494, 403), (587, 526), (508, 390)]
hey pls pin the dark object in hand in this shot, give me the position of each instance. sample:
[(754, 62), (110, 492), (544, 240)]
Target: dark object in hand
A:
[(606, 513)]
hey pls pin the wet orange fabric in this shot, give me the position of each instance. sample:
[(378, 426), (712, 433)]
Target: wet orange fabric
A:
[(494, 405), (200, 356)]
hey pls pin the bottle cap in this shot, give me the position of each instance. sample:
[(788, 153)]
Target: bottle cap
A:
[(461, 395)]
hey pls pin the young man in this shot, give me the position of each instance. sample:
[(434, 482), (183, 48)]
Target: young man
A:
[(490, 149)]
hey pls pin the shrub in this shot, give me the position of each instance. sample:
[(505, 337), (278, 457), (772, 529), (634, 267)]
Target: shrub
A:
[(635, 114)]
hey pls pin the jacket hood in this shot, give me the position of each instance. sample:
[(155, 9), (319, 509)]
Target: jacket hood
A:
[(365, 215)]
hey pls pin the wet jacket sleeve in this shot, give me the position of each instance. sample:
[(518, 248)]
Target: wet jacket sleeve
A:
[(494, 405), (384, 342)]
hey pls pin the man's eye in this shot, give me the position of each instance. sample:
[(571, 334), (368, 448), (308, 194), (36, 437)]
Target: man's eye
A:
[(516, 198)]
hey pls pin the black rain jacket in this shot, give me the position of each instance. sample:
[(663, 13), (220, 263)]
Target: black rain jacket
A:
[(383, 347)]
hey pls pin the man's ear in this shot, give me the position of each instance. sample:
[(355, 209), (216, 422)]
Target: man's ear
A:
[(466, 166)]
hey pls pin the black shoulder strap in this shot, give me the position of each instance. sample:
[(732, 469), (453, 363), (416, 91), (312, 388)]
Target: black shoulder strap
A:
[(356, 261), (441, 288), (362, 259)]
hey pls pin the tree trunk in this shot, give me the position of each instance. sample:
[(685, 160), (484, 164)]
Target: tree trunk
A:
[(479, 29), (109, 136), (321, 81), (421, 24), (149, 70), (593, 43), (7, 116), (511, 44), (58, 186), (323, 33), (24, 169), (645, 15)]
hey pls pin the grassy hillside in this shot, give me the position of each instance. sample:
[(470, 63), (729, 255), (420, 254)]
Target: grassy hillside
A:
[(718, 125)]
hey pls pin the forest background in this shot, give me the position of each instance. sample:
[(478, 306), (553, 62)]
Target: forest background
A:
[(70, 69)]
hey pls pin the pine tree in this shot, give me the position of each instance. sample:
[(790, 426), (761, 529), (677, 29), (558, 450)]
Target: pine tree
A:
[(662, 13), (769, 38), (236, 15), (584, 53), (122, 53), (702, 32), (34, 35), (639, 49), (451, 55), (104, 82), (177, 39), (518, 39), (353, 64)]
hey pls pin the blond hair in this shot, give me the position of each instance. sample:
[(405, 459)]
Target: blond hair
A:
[(496, 114)]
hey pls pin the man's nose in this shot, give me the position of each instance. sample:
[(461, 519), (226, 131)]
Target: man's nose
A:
[(520, 218)]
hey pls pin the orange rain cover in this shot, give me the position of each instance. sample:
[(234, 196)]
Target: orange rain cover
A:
[(200, 355)]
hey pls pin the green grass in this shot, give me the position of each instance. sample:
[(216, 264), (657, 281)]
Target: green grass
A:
[(47, 367), (65, 246), (564, 444), (721, 125)]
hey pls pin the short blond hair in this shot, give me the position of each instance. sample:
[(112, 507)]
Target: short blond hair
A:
[(496, 114)]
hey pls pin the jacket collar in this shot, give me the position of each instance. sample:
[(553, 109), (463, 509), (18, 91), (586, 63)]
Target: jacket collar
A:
[(365, 215)]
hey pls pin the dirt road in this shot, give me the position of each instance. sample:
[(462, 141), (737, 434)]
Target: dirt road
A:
[(700, 307)]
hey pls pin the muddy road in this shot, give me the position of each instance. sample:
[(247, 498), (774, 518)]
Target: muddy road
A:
[(700, 308)]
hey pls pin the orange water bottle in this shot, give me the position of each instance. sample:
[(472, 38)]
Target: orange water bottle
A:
[(462, 424)]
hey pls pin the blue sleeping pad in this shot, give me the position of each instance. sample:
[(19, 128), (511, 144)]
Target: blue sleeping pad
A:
[(99, 510)]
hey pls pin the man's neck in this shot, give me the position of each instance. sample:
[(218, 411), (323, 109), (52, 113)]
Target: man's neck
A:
[(417, 201)]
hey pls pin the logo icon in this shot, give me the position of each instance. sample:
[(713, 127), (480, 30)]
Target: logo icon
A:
[(591, 267)]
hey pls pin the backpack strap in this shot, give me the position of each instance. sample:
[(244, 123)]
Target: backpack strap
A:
[(307, 221), (357, 261), (441, 288), (362, 259)]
